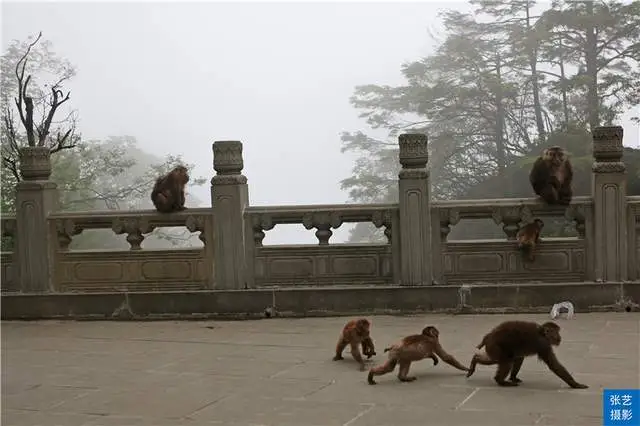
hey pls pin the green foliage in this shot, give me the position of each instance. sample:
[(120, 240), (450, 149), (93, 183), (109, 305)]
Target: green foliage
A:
[(503, 83)]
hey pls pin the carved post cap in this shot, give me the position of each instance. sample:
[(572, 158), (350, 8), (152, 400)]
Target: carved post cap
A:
[(35, 162), (413, 150), (227, 157), (607, 143)]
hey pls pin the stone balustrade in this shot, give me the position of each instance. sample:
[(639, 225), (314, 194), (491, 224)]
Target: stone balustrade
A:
[(417, 250)]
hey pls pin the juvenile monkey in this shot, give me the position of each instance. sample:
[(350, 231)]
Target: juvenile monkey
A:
[(528, 237), (413, 348), (510, 342), (354, 334), (168, 192), (368, 348), (551, 176)]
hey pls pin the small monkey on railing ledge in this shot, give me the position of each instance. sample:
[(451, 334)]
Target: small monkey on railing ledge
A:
[(528, 237), (168, 192)]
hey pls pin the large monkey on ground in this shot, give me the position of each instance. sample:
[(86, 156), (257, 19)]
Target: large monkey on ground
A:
[(510, 342), (551, 176), (168, 192), (414, 348), (356, 333)]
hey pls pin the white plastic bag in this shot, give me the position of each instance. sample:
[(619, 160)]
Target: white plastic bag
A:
[(559, 308)]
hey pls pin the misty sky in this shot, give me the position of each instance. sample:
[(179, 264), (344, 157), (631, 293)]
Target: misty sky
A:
[(277, 76)]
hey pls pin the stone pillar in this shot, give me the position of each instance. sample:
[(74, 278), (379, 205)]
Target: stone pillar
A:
[(610, 205), (36, 197), (415, 212), (229, 198)]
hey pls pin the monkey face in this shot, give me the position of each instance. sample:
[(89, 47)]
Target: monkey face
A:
[(555, 155), (431, 331), (182, 173), (362, 325), (551, 332), (540, 223)]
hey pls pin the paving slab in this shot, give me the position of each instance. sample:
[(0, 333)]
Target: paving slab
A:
[(279, 372)]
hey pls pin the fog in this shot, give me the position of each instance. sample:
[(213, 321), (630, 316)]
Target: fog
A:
[(277, 76)]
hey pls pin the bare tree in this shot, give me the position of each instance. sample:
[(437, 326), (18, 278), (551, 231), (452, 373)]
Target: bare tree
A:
[(37, 110)]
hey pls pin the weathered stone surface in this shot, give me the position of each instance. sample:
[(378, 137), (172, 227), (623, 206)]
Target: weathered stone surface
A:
[(272, 372), (322, 301)]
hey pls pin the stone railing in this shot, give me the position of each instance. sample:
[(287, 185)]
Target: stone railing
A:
[(417, 251)]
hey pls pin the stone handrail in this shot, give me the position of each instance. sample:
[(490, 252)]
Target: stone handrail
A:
[(509, 212), (133, 223), (323, 217), (417, 252)]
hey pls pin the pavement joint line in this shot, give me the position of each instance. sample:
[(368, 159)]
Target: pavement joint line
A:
[(291, 367), (208, 405), (360, 414), (326, 385), (467, 398)]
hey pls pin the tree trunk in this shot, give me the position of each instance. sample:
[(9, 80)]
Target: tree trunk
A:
[(500, 145), (592, 68), (533, 63), (563, 88)]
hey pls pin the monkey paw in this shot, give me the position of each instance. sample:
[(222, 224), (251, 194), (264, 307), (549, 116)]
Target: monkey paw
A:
[(515, 380), (337, 358), (370, 379), (507, 384), (579, 386)]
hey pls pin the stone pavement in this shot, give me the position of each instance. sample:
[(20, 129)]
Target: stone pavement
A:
[(273, 372)]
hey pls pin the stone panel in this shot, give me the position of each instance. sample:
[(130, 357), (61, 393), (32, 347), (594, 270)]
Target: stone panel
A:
[(353, 264), (556, 260), (480, 262), (130, 271), (298, 267)]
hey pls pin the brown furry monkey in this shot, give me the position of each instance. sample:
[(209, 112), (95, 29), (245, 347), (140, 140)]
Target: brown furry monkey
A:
[(168, 192), (510, 342), (354, 334), (551, 176), (528, 237), (414, 348)]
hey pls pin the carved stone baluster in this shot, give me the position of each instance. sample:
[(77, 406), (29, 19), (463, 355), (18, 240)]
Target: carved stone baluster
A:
[(448, 218), (323, 222), (66, 230), (36, 198), (414, 198), (261, 223), (610, 205), (196, 224), (8, 228), (510, 218), (577, 214), (383, 218), (229, 198), (134, 228)]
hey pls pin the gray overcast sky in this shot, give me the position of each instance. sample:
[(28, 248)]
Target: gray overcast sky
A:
[(277, 76)]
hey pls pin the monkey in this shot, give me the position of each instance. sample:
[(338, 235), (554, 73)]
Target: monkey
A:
[(356, 333), (511, 341), (551, 176), (528, 236), (168, 192), (368, 348), (413, 348)]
